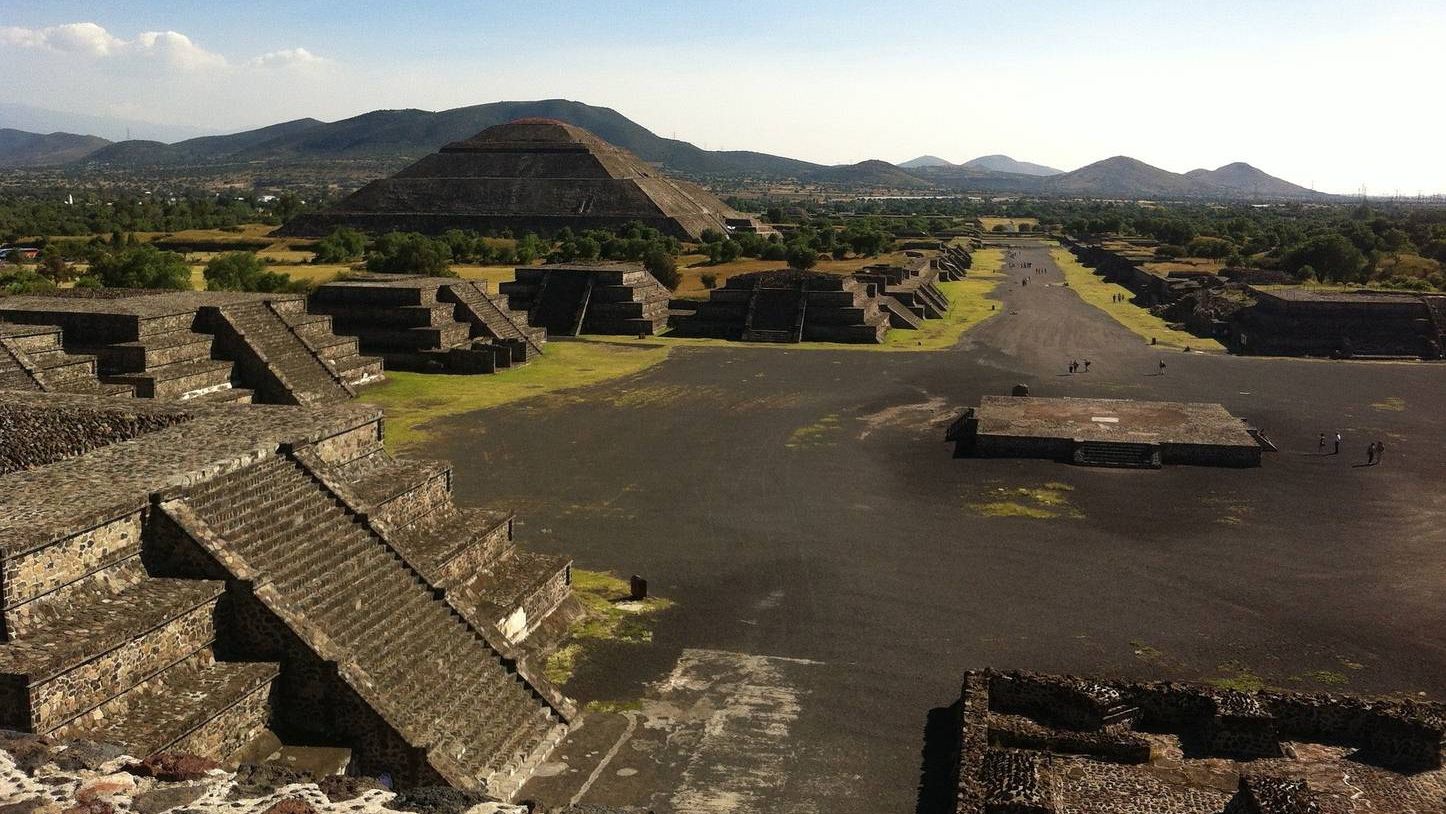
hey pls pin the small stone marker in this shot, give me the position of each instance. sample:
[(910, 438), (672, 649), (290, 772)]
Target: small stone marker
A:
[(639, 588), (1020, 390)]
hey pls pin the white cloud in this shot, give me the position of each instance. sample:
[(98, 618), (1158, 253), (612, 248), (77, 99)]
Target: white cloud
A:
[(287, 58), (73, 38), (176, 48)]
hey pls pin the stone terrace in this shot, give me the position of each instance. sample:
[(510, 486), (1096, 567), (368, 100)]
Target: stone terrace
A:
[(1040, 744), (607, 298), (185, 578), (219, 346)]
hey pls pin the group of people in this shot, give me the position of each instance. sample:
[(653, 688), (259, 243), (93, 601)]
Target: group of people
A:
[(1374, 450), (1117, 298), (1074, 366)]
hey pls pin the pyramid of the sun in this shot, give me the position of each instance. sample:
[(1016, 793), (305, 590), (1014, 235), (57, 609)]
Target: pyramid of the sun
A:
[(530, 175)]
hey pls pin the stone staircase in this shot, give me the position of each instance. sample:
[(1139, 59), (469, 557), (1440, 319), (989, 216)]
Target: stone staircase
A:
[(32, 357), (124, 658), (775, 315), (323, 570), (491, 318), (1117, 454), (607, 298), (341, 354), (899, 316), (269, 352), (165, 360)]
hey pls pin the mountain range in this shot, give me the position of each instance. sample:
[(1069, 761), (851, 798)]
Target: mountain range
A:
[(394, 138)]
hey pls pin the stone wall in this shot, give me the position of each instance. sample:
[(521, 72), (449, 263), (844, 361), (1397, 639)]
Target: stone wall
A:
[(35, 436)]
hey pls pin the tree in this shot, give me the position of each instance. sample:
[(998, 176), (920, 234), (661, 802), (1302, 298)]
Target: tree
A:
[(244, 271), (410, 253), (142, 267), (664, 268), (1332, 256), (341, 246), (801, 257)]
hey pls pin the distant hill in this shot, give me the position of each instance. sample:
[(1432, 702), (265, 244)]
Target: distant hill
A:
[(1255, 183), (1125, 177), (1003, 163), (206, 149), (21, 149), (873, 174), (924, 161), (34, 119)]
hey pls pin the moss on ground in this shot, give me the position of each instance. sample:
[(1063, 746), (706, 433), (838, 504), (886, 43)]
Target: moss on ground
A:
[(1238, 677), (1095, 291), (412, 400), (610, 617), (820, 433), (1047, 502), (1394, 404)]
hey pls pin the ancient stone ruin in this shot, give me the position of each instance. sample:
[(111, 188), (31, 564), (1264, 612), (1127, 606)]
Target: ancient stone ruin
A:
[(1043, 744), (531, 175), (1106, 432), (789, 305), (606, 298), (908, 291), (209, 345), (428, 323), (1342, 324), (188, 577)]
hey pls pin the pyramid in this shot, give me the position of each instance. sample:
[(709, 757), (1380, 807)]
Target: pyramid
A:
[(530, 175)]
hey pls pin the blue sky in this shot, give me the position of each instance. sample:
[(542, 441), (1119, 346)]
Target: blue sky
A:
[(1326, 93)]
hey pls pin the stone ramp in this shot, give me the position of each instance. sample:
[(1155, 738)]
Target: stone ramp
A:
[(348, 595), (287, 370), (899, 316), (496, 320)]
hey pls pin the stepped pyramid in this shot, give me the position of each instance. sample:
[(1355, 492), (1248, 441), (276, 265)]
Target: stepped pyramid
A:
[(186, 576), (531, 175)]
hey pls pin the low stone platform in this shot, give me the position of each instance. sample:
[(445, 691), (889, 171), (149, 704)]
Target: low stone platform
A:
[(788, 306), (180, 345), (1105, 432), (186, 576), (429, 323), (1036, 743), (605, 298)]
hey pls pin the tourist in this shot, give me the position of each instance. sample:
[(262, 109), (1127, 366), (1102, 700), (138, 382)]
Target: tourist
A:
[(1087, 365), (1338, 444), (1321, 447), (1371, 454), (1380, 450), (1162, 367)]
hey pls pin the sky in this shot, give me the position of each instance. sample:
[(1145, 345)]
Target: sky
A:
[(1327, 94)]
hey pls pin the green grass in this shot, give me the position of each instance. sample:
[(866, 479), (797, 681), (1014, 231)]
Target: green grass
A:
[(819, 433), (1095, 291), (1047, 502), (1240, 677), (412, 400), (610, 617)]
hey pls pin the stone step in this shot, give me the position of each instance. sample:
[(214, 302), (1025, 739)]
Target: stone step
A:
[(1117, 454), (83, 658), (190, 707), (230, 395), (177, 381), (154, 351)]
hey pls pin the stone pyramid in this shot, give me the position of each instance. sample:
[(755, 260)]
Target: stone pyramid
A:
[(536, 175)]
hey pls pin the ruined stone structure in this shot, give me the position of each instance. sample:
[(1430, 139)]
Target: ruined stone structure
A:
[(1342, 324), (183, 576), (908, 291), (211, 345), (1125, 262), (789, 306), (531, 175), (953, 262), (1106, 432), (607, 298), (1044, 744), (428, 323)]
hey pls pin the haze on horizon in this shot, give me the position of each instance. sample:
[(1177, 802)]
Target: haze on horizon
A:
[(1314, 92)]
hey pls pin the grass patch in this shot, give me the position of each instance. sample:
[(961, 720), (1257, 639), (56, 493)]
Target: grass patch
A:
[(411, 400), (1240, 678), (817, 434), (1047, 502), (610, 617), (1095, 291), (614, 707), (1394, 404), (1330, 678)]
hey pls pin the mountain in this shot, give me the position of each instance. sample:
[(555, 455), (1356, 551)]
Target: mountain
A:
[(1255, 183), (21, 149), (1128, 178), (202, 150), (924, 161), (872, 174), (34, 119), (1003, 163)]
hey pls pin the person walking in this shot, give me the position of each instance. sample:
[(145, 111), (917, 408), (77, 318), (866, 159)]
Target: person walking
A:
[(1338, 444), (1321, 447), (1162, 367), (1087, 365), (1371, 454), (1380, 450)]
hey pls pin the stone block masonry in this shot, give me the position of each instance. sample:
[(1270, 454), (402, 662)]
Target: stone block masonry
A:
[(185, 579), (607, 298)]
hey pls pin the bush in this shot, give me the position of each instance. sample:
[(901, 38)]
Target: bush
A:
[(341, 246), (1168, 252), (244, 271), (709, 279), (17, 279), (1210, 247), (801, 257), (410, 253), (775, 251), (664, 268), (142, 267)]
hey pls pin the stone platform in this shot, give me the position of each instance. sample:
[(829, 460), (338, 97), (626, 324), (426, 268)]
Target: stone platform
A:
[(185, 576), (180, 345), (1105, 432), (787, 306), (1049, 744), (605, 298)]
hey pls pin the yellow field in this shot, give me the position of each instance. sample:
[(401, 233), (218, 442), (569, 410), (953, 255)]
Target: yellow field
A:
[(1095, 291)]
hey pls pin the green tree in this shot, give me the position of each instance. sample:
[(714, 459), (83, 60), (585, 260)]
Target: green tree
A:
[(1332, 256), (244, 271), (341, 246), (801, 257), (142, 267), (410, 253), (664, 268)]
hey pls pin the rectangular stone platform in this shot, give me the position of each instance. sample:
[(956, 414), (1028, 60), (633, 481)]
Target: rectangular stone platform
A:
[(1106, 432)]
